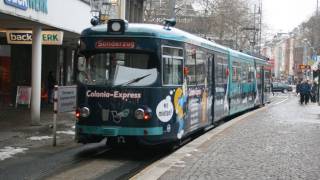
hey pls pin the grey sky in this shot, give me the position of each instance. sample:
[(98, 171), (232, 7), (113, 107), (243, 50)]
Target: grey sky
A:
[(284, 15)]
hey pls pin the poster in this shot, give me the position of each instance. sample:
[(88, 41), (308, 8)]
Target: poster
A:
[(23, 95)]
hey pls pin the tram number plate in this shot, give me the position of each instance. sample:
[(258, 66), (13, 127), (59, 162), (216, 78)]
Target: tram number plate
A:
[(105, 114)]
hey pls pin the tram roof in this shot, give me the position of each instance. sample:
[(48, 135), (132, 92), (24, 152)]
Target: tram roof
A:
[(238, 54), (155, 31), (158, 31)]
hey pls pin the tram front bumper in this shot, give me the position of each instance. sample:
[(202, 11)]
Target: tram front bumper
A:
[(118, 131)]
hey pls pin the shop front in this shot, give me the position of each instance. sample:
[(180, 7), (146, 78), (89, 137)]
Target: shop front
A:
[(38, 37)]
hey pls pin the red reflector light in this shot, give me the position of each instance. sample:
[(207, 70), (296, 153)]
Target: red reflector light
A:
[(146, 117), (77, 113)]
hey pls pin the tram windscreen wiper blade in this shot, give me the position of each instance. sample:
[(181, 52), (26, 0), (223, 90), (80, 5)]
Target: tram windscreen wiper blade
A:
[(134, 80)]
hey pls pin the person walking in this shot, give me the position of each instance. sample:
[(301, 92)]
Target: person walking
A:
[(272, 89), (304, 90), (51, 82), (298, 87), (314, 90)]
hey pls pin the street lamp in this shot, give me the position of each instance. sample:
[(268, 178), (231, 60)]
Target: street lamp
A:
[(100, 10)]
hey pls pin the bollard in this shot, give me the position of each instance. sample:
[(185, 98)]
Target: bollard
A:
[(318, 93), (55, 114)]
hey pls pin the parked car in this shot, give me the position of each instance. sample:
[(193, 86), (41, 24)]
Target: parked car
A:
[(281, 87)]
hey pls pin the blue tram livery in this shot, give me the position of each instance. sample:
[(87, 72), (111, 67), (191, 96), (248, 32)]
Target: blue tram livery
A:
[(158, 84)]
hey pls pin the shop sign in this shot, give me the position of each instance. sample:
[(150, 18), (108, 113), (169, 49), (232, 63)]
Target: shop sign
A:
[(20, 4), (36, 5), (25, 37)]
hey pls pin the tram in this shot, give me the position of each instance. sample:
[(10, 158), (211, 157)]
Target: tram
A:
[(155, 84)]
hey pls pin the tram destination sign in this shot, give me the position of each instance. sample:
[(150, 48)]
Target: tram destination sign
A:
[(115, 44), (25, 37)]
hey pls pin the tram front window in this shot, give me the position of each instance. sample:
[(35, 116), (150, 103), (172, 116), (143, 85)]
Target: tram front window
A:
[(117, 69)]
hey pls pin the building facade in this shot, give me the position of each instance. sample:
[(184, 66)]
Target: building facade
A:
[(288, 53), (60, 23), (41, 36), (134, 11)]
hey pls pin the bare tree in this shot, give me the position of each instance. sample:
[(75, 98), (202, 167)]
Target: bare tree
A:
[(311, 31), (220, 20)]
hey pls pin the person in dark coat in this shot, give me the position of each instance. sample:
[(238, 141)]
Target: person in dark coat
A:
[(304, 90), (314, 91), (272, 89), (51, 82), (298, 87)]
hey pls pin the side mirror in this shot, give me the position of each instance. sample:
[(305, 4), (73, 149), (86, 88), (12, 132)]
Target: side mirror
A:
[(81, 63)]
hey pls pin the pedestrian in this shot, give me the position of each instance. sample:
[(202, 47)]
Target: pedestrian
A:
[(298, 87), (304, 90), (51, 82), (314, 91), (272, 89)]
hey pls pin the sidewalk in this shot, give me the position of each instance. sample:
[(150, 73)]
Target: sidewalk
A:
[(16, 129), (279, 141)]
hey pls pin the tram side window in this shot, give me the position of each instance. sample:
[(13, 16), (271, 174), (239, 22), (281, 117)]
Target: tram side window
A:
[(190, 64), (201, 70), (245, 72), (172, 66), (258, 74), (210, 58), (223, 66), (219, 71), (236, 72), (251, 73)]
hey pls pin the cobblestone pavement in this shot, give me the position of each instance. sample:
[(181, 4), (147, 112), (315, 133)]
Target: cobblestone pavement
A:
[(280, 141)]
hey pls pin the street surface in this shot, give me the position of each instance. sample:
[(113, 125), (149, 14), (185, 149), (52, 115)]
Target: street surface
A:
[(94, 161), (280, 141)]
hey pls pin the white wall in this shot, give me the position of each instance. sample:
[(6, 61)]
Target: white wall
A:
[(70, 15)]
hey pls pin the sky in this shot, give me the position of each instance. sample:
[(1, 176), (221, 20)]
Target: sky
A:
[(285, 15)]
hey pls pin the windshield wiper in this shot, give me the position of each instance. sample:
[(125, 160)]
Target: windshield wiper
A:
[(134, 80)]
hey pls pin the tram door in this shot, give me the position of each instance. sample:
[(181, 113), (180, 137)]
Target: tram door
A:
[(267, 84), (211, 86), (220, 86), (260, 84)]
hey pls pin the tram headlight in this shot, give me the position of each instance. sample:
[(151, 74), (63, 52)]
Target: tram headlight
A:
[(117, 26), (143, 114), (139, 114), (82, 112)]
